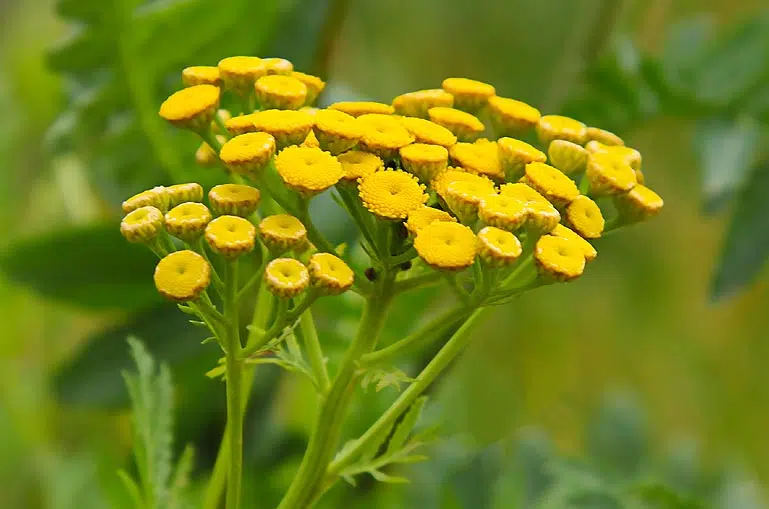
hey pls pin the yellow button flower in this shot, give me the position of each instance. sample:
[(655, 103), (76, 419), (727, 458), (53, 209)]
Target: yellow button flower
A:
[(511, 117), (481, 158), (241, 124), (503, 212), (278, 66), (603, 136), (248, 154), (233, 200), (358, 108), (609, 174), (416, 104), (280, 92), (428, 132), (639, 204), (587, 248), (464, 196), (281, 232), (336, 131), (556, 127), (187, 221), (423, 160), (240, 73), (330, 274), (469, 95), (630, 155), (541, 215), (288, 127), (585, 217), (568, 157), (423, 216), (308, 171), (391, 194), (181, 193), (559, 258), (515, 154), (200, 75), (442, 181), (498, 248), (142, 225), (463, 125), (314, 85), (383, 135), (230, 236), (286, 278), (182, 276), (559, 189), (446, 246), (357, 164), (191, 108), (155, 197)]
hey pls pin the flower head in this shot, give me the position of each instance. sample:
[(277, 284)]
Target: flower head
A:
[(357, 164), (181, 193), (515, 154), (630, 155), (281, 232), (276, 91), (441, 182), (248, 154), (391, 194), (187, 221), (464, 196), (585, 217), (568, 157), (469, 95), (336, 131), (498, 248), (559, 258), (559, 189), (200, 75), (609, 173), (278, 66), (383, 135), (463, 125), (416, 104), (311, 141), (446, 246), (541, 215), (505, 212), (241, 124), (240, 73), (142, 225), (424, 161), (638, 204), (358, 108), (233, 200), (428, 132), (587, 248), (192, 107), (230, 236), (288, 127), (423, 216), (155, 197), (307, 170), (286, 278), (511, 117), (481, 157), (314, 85), (182, 276), (330, 274), (556, 127), (603, 136)]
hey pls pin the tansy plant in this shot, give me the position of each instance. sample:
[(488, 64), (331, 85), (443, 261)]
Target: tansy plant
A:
[(453, 186)]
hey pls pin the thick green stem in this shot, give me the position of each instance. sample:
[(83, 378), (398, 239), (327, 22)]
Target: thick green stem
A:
[(328, 427), (234, 387)]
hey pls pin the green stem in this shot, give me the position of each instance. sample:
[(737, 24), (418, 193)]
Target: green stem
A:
[(314, 351), (328, 427), (422, 280), (234, 387)]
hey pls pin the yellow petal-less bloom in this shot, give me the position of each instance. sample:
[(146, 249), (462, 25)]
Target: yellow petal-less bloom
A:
[(463, 125), (481, 157), (142, 225), (336, 131), (280, 92), (187, 221), (200, 75), (192, 107), (515, 154), (469, 95), (330, 274), (288, 127), (281, 232), (551, 183), (308, 171), (286, 278), (230, 236), (314, 86), (182, 276), (278, 66), (383, 135), (240, 73), (357, 164), (464, 196), (442, 181), (559, 258), (248, 154), (587, 248), (155, 197), (603, 136), (503, 212), (511, 117), (391, 194), (446, 246), (423, 216), (428, 132), (233, 200), (181, 193), (630, 155), (638, 204), (584, 216), (557, 127), (568, 157), (541, 215), (241, 124), (423, 160), (498, 248), (358, 108), (416, 104), (609, 174)]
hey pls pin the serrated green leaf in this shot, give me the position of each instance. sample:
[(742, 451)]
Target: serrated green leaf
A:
[(91, 266), (181, 478), (386, 478), (131, 488), (405, 426)]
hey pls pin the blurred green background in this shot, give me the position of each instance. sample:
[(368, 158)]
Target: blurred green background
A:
[(673, 312)]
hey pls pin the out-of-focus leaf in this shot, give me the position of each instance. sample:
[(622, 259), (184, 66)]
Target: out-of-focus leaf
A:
[(90, 266), (747, 241), (471, 484), (683, 52), (617, 439), (661, 496), (726, 149)]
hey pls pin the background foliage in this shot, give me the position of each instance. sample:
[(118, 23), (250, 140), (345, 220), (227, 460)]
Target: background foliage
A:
[(674, 310)]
